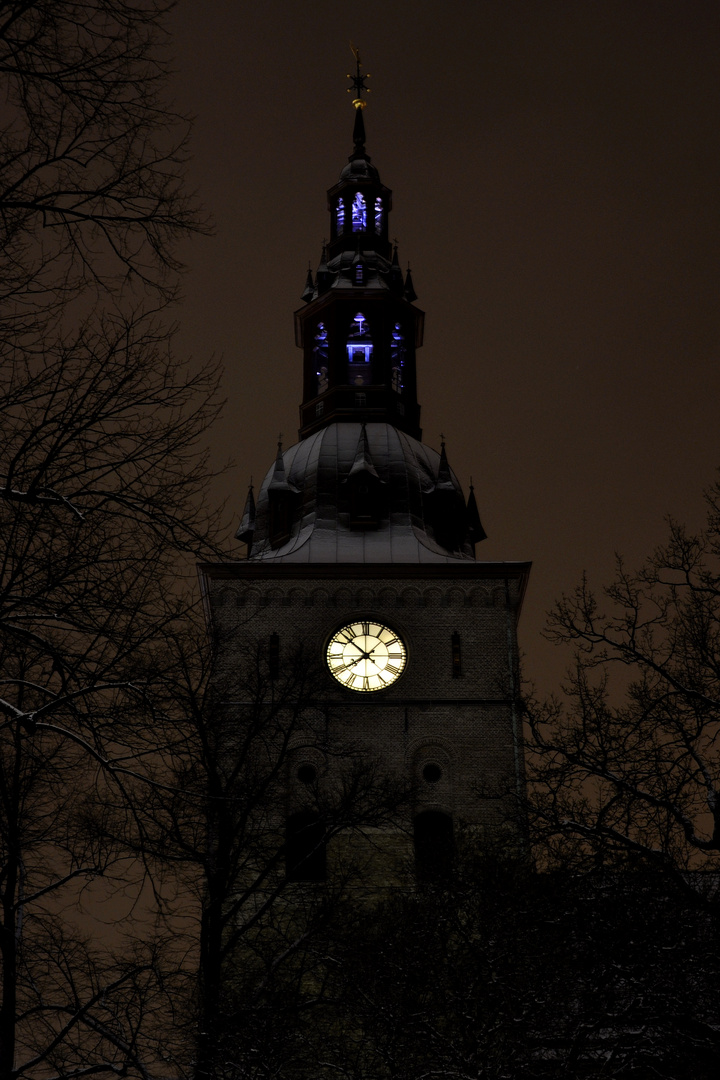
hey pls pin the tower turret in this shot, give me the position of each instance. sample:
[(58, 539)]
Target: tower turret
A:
[(359, 329)]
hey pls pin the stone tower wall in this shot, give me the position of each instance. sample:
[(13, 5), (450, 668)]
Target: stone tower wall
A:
[(467, 723)]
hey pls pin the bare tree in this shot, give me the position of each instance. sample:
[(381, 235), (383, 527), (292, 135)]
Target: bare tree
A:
[(500, 972), (624, 774), (101, 497), (91, 157), (217, 821), (629, 762), (103, 474)]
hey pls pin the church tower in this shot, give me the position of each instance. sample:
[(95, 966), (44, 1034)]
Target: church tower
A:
[(361, 551)]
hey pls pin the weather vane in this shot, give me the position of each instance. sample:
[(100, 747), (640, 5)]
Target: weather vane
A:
[(358, 87)]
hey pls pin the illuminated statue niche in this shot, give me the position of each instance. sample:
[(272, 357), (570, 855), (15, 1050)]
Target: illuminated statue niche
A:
[(359, 214), (359, 350)]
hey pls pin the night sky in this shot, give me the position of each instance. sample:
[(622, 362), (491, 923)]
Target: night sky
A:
[(554, 169)]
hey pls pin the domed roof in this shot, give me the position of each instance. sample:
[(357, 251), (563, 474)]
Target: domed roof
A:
[(360, 168), (320, 470)]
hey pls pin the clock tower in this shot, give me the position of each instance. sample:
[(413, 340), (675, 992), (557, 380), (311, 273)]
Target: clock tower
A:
[(361, 552)]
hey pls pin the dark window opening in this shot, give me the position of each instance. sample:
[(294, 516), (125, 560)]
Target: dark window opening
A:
[(280, 511), (365, 508), (307, 774), (446, 514), (305, 854), (456, 654), (433, 832), (432, 772), (274, 656)]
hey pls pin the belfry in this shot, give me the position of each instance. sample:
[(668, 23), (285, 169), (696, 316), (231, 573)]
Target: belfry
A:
[(361, 552)]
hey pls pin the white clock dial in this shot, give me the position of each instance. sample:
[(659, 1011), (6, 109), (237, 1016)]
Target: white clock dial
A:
[(366, 656)]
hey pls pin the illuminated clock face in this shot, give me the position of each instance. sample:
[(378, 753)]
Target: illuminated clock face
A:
[(366, 656)]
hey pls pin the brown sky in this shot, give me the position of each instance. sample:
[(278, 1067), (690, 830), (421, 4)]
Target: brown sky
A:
[(554, 167)]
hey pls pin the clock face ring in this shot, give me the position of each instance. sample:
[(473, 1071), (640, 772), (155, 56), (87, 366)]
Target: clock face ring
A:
[(366, 655)]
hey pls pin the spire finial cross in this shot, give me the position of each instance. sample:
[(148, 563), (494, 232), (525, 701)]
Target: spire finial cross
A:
[(358, 87)]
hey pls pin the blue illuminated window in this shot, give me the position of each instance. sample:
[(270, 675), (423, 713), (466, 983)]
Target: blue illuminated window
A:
[(397, 357), (359, 276), (359, 214), (320, 352), (378, 215), (341, 216), (359, 351)]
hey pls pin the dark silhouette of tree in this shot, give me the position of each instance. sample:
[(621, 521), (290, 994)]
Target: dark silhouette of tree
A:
[(504, 972), (103, 496), (224, 820), (627, 763), (102, 482), (624, 774), (91, 157)]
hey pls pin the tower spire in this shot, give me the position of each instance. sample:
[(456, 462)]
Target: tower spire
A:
[(358, 81), (358, 88)]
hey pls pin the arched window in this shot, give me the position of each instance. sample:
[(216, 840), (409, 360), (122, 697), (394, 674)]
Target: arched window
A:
[(378, 215), (433, 834), (305, 847), (340, 216), (397, 358), (320, 352), (359, 214), (359, 350)]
